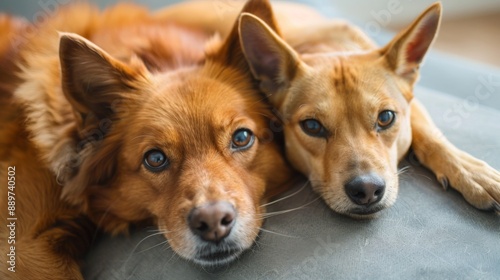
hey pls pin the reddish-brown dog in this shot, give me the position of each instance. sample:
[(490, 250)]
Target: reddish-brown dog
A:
[(123, 119)]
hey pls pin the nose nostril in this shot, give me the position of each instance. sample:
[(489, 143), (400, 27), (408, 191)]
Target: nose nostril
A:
[(212, 222), (202, 227), (365, 189), (227, 220), (359, 195)]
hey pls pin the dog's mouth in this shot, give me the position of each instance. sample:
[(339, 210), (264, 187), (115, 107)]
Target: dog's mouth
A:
[(365, 212), (213, 257)]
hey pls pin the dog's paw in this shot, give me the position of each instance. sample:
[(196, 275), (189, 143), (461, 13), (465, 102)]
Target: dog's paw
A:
[(478, 182)]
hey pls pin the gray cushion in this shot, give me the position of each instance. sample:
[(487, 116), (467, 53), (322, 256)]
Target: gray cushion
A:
[(428, 234)]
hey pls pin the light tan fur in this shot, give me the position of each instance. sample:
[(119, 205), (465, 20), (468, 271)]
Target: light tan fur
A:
[(329, 71)]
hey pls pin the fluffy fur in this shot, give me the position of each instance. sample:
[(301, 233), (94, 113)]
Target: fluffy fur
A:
[(92, 99)]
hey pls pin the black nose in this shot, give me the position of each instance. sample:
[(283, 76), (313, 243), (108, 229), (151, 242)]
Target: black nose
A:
[(213, 221), (365, 189)]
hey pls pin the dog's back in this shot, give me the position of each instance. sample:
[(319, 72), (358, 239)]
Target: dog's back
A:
[(11, 30)]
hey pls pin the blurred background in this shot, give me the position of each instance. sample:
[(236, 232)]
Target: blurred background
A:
[(470, 29)]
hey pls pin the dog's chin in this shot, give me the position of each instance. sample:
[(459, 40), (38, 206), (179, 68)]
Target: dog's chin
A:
[(368, 212), (361, 212), (217, 258), (364, 216), (347, 208)]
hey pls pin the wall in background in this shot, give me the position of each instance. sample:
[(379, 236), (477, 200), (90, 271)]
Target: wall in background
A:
[(361, 11), (478, 19), (402, 11)]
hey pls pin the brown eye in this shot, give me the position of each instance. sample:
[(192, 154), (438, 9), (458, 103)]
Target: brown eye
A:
[(155, 160), (313, 128), (242, 139), (385, 119)]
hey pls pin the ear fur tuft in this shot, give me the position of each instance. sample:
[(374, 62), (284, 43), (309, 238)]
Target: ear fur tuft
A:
[(407, 50), (91, 79)]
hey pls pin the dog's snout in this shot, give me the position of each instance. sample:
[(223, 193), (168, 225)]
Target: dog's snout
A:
[(365, 189), (213, 221)]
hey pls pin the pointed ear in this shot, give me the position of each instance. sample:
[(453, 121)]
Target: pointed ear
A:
[(91, 79), (272, 61), (230, 53), (407, 50)]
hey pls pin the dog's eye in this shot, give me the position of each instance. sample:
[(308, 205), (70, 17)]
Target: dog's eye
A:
[(313, 128), (155, 160), (242, 139), (385, 119)]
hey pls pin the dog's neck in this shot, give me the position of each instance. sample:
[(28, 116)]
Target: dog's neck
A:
[(334, 37)]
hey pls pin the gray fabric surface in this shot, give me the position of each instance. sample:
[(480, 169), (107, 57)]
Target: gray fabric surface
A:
[(427, 234)]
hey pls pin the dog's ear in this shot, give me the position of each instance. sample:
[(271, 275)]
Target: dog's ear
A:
[(272, 61), (407, 50), (91, 79), (230, 53)]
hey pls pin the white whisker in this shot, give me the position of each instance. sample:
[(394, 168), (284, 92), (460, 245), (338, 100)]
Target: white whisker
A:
[(144, 239), (161, 243), (272, 214), (403, 170), (277, 233), (286, 197), (159, 232)]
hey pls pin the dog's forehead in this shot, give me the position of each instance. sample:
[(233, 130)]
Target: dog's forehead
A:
[(344, 76), (351, 76), (183, 94), (199, 109), (337, 85)]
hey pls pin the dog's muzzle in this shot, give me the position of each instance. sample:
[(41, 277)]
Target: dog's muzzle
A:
[(365, 191), (212, 223)]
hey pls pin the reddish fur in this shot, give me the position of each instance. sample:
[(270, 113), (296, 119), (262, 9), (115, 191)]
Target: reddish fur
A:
[(44, 129)]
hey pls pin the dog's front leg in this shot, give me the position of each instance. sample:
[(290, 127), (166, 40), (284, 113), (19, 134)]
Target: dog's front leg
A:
[(478, 182)]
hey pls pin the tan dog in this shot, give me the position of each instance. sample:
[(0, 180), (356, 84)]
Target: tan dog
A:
[(348, 106), (133, 124)]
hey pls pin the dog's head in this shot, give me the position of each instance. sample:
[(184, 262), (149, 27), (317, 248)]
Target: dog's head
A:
[(191, 149), (346, 114)]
